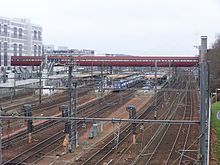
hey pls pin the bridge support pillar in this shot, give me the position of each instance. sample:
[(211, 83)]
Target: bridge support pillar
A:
[(111, 69), (91, 71), (175, 71)]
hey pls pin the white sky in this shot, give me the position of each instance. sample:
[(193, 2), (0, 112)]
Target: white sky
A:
[(150, 27)]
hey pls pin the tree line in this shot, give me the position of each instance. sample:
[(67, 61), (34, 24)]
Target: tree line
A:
[(213, 57)]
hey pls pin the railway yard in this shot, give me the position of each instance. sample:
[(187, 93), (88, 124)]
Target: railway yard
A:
[(104, 142)]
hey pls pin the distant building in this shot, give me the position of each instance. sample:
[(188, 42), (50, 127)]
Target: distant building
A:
[(48, 48), (18, 37), (109, 54), (67, 52), (62, 48)]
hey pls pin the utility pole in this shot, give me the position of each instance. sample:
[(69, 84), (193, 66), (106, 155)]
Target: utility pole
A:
[(116, 130), (203, 48), (73, 140), (65, 110), (169, 78), (4, 75), (102, 80), (0, 137), (155, 110), (203, 109), (92, 71), (40, 84), (14, 83), (70, 146)]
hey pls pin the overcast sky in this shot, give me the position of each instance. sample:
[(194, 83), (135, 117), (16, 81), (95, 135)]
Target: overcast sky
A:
[(146, 27)]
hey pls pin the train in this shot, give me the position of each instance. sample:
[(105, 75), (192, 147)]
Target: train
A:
[(125, 83)]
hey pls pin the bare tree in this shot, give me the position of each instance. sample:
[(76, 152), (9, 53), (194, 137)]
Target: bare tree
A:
[(213, 57)]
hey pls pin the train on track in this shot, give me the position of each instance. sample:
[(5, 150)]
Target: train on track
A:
[(126, 82)]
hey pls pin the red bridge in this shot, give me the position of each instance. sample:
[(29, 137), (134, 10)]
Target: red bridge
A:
[(136, 61)]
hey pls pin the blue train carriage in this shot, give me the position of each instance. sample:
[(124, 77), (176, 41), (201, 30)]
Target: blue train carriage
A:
[(119, 84), (124, 83)]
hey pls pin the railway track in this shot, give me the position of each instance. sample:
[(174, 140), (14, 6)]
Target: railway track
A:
[(95, 113), (172, 142), (187, 151), (152, 148), (51, 100), (82, 111), (110, 144), (125, 155), (18, 158), (109, 148), (46, 108), (33, 101)]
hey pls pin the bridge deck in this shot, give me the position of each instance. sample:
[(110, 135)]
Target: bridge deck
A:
[(128, 61)]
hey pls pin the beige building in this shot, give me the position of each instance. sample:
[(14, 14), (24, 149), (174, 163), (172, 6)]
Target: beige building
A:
[(18, 37)]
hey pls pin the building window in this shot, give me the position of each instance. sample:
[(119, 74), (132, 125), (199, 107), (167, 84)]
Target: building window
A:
[(39, 35), (20, 49), (15, 32), (15, 49), (39, 50), (20, 32), (35, 35), (5, 54), (0, 29), (5, 30), (35, 50)]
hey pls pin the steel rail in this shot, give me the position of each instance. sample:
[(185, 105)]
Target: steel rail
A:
[(161, 127), (61, 134), (184, 147), (177, 136), (161, 116), (110, 145), (189, 127), (159, 130), (46, 124), (108, 148), (167, 129), (41, 127)]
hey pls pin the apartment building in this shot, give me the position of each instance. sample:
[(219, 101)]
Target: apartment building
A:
[(18, 37)]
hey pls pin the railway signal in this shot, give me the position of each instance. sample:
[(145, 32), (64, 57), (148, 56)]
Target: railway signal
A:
[(27, 110), (30, 126), (65, 111), (132, 115)]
